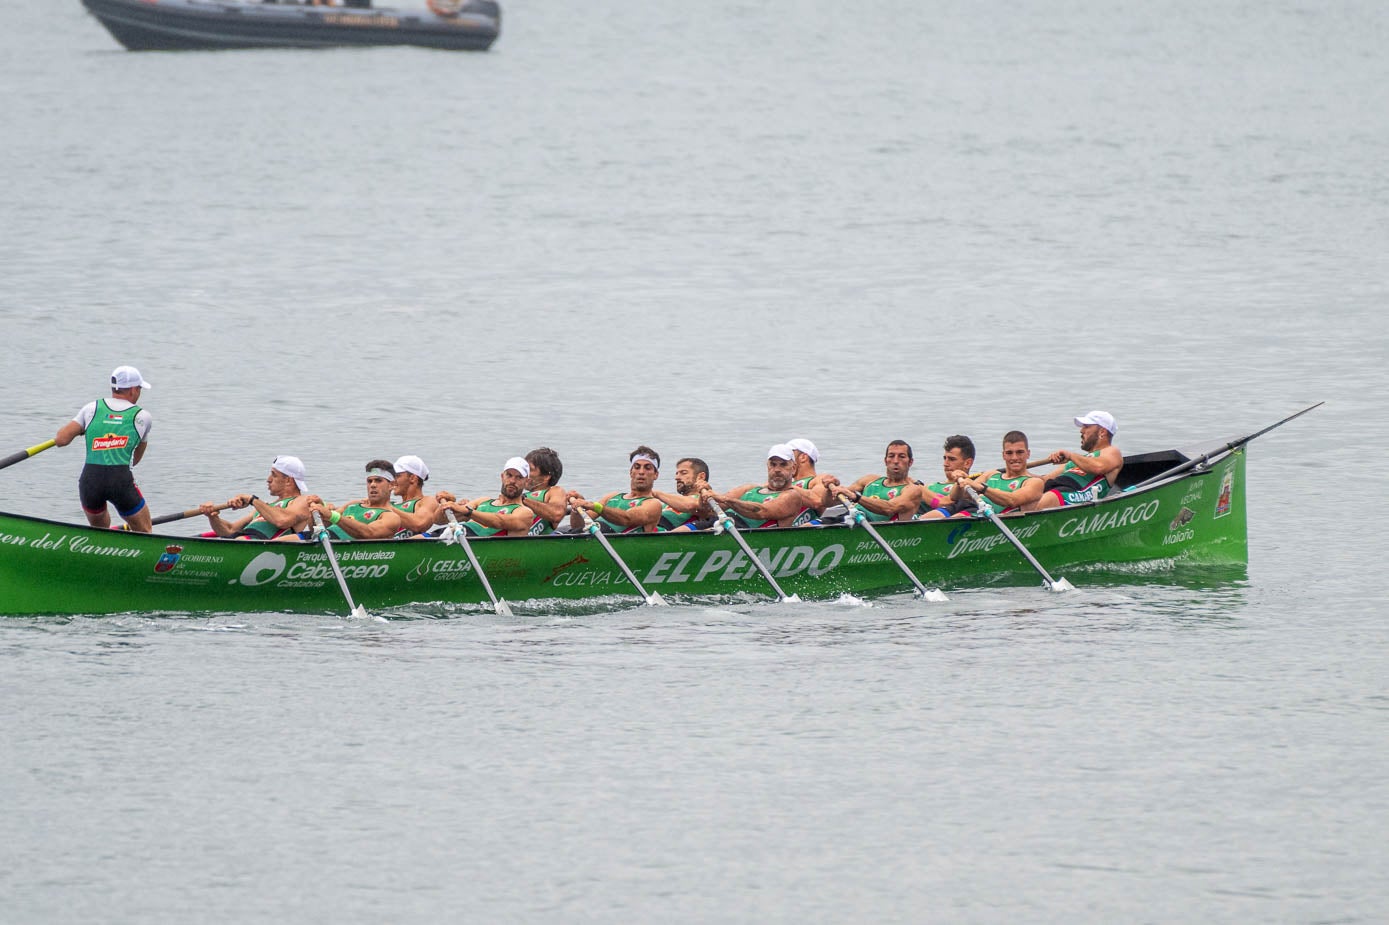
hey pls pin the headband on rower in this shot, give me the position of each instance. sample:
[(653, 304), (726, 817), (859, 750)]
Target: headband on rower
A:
[(380, 473), (642, 456)]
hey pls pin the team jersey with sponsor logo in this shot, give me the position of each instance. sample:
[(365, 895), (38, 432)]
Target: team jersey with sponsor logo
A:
[(357, 511), (112, 435), (621, 502), (671, 519), (762, 494), (999, 482), (490, 506), (1092, 487), (878, 488), (260, 527)]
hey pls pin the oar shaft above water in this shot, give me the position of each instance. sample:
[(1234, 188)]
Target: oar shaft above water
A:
[(25, 454)]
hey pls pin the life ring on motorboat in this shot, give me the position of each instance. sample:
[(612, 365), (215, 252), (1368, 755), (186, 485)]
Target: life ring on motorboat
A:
[(445, 8)]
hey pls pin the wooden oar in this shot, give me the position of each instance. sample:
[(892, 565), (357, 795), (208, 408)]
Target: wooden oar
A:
[(181, 515), (25, 454), (1227, 448), (726, 523), (459, 535), (856, 516), (653, 599), (353, 608), (1052, 584)]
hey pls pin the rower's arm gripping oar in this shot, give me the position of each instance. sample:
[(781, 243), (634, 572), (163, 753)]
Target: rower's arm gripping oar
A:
[(354, 609), (725, 524), (25, 454), (459, 534), (857, 518), (653, 599), (1052, 584)]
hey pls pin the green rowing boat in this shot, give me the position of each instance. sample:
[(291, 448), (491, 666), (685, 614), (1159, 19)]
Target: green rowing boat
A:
[(1182, 508)]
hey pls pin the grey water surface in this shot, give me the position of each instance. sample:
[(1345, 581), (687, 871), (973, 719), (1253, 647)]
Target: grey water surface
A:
[(709, 228)]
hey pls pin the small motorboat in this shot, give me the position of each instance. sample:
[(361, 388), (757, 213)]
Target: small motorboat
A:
[(176, 25)]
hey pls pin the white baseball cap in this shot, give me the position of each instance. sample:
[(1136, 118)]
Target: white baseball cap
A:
[(782, 451), (293, 467), (414, 465), (128, 377), (806, 447), (1102, 418), (520, 465)]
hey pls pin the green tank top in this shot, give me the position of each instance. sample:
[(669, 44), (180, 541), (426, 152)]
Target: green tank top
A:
[(359, 512), (263, 528), (490, 506), (999, 482), (541, 526), (761, 494), (111, 435), (878, 488), (409, 508), (671, 519), (621, 502), (1092, 489)]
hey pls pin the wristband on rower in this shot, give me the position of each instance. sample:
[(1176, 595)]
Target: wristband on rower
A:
[(598, 507), (337, 516)]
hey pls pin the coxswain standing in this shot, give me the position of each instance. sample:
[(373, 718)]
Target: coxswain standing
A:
[(117, 431)]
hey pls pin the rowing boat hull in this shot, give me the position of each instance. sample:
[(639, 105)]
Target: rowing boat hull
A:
[(182, 25), (47, 567)]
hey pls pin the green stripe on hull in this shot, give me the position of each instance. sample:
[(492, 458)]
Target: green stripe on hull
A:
[(53, 568)]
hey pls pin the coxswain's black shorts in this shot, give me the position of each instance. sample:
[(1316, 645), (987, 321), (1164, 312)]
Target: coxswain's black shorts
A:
[(100, 485)]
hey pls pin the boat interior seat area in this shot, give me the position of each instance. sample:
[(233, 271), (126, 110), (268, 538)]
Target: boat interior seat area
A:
[(1142, 466)]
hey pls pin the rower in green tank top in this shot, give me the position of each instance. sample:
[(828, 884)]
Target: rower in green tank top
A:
[(686, 510), (370, 518), (807, 481), (544, 495), (957, 455), (1003, 491), (417, 511), (777, 503), (892, 496), (634, 511), (1090, 474), (503, 515), (285, 516)]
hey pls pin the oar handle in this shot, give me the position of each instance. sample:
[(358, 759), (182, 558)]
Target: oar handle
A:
[(182, 515), (25, 454)]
